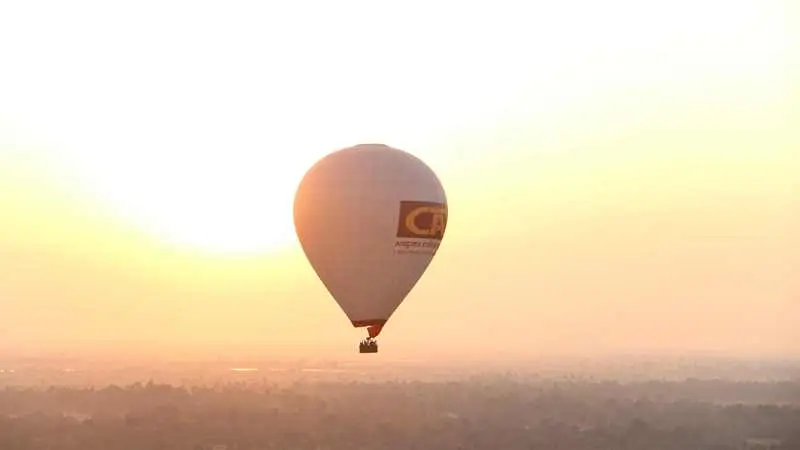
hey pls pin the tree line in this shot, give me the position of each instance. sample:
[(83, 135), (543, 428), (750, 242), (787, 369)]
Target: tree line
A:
[(480, 413)]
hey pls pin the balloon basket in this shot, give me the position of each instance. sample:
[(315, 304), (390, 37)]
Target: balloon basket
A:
[(368, 346)]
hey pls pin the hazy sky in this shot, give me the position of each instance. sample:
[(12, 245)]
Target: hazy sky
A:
[(622, 175)]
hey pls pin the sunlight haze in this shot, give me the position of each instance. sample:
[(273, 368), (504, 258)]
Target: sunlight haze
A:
[(622, 176)]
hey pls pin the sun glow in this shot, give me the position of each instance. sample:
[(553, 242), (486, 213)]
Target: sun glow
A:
[(193, 139), (217, 204), (197, 123)]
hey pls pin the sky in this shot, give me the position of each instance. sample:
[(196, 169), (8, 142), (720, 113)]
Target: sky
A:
[(622, 176)]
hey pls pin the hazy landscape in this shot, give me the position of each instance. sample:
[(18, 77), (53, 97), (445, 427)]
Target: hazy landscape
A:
[(699, 403)]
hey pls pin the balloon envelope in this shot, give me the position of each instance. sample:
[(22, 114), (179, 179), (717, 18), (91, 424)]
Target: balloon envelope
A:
[(370, 219)]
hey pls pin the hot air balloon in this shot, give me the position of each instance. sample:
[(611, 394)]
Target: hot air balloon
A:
[(370, 219)]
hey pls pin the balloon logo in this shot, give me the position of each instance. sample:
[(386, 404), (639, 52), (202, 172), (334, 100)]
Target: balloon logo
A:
[(370, 219)]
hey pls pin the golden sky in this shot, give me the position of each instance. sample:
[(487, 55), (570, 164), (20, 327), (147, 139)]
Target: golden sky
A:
[(622, 175)]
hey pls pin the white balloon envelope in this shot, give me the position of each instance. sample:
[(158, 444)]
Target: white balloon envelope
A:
[(370, 219)]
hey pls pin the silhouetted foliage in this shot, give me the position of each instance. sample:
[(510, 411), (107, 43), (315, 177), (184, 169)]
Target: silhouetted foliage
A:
[(482, 413)]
